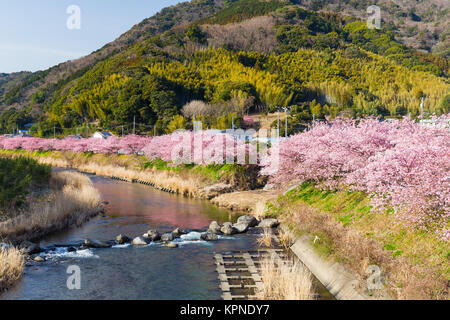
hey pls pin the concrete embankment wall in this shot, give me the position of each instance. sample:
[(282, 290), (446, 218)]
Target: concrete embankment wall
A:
[(338, 281)]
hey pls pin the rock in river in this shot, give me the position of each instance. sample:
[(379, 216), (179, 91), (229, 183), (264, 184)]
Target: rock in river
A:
[(228, 229), (171, 245), (167, 237), (39, 259), (214, 227), (178, 232), (269, 223), (209, 237), (139, 241), (241, 227), (248, 219), (121, 239), (153, 235), (96, 244)]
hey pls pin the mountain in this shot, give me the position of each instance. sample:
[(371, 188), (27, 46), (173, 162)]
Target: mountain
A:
[(317, 57)]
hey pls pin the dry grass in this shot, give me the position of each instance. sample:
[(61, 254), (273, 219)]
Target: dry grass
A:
[(284, 280), (286, 237), (165, 179), (266, 238), (74, 199), (11, 267), (259, 211)]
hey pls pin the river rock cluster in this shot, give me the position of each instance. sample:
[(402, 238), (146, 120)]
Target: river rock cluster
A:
[(242, 225), (211, 233)]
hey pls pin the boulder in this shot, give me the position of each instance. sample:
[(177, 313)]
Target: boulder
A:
[(178, 232), (209, 237), (214, 190), (228, 229), (96, 244), (248, 219), (38, 259), (139, 241), (214, 227), (71, 249), (268, 223), (121, 239), (171, 245), (29, 248), (153, 235), (166, 237), (241, 227)]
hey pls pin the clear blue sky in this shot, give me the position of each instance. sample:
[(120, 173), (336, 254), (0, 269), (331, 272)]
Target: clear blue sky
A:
[(34, 34)]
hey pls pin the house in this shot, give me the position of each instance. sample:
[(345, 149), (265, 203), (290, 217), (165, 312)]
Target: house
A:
[(102, 135)]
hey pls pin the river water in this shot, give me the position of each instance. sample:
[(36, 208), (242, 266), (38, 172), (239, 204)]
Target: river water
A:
[(127, 272)]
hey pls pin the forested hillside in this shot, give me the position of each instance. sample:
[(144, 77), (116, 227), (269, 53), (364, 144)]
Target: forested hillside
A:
[(421, 24), (237, 56)]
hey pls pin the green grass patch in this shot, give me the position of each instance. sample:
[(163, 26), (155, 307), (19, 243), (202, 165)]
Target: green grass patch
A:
[(351, 205), (17, 176), (322, 245)]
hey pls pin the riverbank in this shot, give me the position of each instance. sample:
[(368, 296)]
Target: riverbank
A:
[(198, 181), (341, 228), (68, 199), (71, 200)]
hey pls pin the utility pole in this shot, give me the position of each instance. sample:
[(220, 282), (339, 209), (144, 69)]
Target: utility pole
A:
[(134, 125), (122, 131), (87, 131), (278, 121), (286, 123), (54, 131), (232, 122), (421, 107), (154, 130)]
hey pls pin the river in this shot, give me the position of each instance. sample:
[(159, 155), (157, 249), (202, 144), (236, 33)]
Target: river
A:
[(128, 272)]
